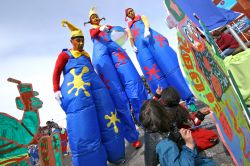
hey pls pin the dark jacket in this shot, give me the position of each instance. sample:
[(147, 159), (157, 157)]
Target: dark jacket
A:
[(151, 140)]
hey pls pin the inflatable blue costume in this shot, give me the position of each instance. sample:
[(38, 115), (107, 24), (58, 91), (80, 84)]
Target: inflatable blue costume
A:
[(157, 59), (119, 75), (94, 131)]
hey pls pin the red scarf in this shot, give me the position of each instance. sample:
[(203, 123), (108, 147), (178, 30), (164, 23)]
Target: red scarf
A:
[(137, 18)]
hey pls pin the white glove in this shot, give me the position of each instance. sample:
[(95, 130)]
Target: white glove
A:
[(58, 96), (146, 33), (134, 49), (104, 28)]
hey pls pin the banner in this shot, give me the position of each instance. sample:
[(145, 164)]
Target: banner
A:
[(207, 77), (241, 25)]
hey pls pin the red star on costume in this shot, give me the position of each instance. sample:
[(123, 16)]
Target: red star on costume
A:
[(105, 81), (103, 35), (135, 32), (121, 57), (160, 39), (152, 71)]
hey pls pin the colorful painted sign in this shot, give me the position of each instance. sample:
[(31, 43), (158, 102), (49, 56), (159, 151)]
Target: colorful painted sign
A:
[(207, 77), (16, 135), (241, 25), (50, 150)]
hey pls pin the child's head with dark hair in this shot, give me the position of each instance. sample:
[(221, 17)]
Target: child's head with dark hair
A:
[(155, 118), (170, 97)]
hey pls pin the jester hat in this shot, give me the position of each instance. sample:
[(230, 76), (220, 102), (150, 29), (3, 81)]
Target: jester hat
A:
[(75, 32), (92, 11)]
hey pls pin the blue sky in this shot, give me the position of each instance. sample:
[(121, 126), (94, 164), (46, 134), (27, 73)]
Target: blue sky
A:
[(31, 37)]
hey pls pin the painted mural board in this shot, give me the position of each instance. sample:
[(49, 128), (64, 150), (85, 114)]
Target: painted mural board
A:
[(17, 134), (242, 25), (50, 150), (207, 77)]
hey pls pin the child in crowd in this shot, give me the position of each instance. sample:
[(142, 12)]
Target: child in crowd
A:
[(204, 138), (169, 97), (176, 145)]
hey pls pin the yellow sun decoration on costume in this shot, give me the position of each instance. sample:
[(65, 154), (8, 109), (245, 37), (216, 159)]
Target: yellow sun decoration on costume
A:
[(78, 82), (113, 119)]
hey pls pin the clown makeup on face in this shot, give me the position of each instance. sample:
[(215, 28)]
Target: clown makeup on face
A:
[(131, 14), (94, 19), (77, 43)]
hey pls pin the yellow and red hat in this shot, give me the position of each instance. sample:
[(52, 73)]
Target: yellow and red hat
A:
[(75, 32), (92, 11)]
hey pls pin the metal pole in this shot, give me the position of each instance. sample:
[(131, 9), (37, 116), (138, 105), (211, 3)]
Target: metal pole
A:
[(235, 35)]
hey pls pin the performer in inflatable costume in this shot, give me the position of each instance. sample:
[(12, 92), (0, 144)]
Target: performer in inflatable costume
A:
[(94, 130), (157, 59), (119, 75)]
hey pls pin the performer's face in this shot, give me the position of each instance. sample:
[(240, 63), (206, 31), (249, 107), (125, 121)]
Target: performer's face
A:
[(77, 43), (94, 19), (131, 14)]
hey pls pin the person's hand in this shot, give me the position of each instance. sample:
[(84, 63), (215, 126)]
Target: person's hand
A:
[(104, 28), (134, 49), (187, 136), (205, 110), (58, 96), (146, 33), (159, 90)]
